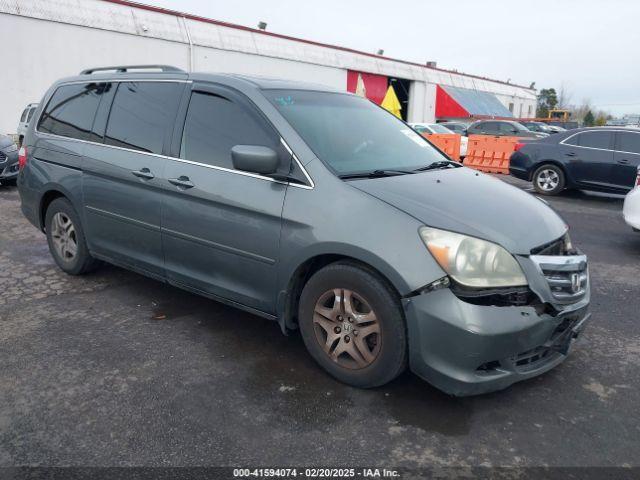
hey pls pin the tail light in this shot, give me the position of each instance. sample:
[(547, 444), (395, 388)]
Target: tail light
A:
[(22, 157), (518, 146)]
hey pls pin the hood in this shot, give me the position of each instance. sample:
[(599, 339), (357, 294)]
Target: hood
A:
[(472, 203), (5, 141)]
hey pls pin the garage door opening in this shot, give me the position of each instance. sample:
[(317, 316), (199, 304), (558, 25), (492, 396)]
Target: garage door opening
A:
[(375, 88), (401, 87)]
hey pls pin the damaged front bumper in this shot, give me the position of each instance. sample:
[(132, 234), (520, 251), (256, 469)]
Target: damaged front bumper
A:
[(466, 348)]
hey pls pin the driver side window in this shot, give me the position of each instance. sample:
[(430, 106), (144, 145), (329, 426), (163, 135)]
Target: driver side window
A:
[(215, 124)]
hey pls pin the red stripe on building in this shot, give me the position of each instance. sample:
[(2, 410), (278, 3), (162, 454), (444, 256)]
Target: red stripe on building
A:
[(375, 85), (447, 107)]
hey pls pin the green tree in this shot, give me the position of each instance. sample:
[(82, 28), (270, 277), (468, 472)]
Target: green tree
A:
[(589, 119), (547, 100)]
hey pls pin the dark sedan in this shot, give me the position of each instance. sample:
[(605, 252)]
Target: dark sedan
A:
[(502, 128), (8, 161), (599, 159)]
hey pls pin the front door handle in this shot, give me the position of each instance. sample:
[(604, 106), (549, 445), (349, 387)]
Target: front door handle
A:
[(623, 161), (143, 173), (182, 182), (570, 154)]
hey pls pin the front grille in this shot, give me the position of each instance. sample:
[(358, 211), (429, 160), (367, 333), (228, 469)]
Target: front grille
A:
[(567, 276), (3, 157)]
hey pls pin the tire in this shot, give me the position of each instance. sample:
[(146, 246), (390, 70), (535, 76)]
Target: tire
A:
[(72, 261), (378, 349), (548, 179)]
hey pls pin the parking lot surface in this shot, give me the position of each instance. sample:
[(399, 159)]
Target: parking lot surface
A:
[(114, 369)]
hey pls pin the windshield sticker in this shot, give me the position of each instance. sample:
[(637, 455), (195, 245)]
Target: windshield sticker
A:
[(284, 101), (415, 137)]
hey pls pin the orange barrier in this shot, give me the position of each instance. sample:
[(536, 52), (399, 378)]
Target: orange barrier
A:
[(490, 154), (449, 143)]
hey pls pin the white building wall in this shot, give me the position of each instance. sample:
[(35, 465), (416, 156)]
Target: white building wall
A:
[(49, 39)]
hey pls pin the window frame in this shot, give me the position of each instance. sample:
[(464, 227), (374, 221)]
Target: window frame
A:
[(48, 102), (299, 169), (618, 134), (299, 173), (584, 132), (166, 134)]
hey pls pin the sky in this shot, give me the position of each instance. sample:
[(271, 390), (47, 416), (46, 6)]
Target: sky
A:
[(588, 48)]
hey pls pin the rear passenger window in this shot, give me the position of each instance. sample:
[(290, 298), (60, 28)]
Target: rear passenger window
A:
[(141, 115), (71, 110), (628, 142), (24, 115), (31, 112), (595, 140), (215, 124)]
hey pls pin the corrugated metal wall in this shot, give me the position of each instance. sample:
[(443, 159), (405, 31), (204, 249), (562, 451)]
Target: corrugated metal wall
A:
[(49, 39)]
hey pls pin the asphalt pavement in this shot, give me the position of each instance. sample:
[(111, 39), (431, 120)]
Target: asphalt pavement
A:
[(115, 369)]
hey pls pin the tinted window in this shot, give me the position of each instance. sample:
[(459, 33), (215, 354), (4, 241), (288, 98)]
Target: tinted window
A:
[(351, 134), (507, 127), (141, 115), (71, 110), (31, 112), (628, 142), (24, 115), (595, 140), (215, 124), (489, 127)]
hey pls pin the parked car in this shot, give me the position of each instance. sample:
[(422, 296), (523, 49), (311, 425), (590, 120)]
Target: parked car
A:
[(538, 127), (456, 127), (631, 208), (8, 161), (25, 118), (556, 129), (502, 128), (312, 207), (600, 159), (433, 128)]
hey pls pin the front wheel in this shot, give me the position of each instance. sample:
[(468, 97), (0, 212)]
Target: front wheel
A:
[(548, 180), (353, 325)]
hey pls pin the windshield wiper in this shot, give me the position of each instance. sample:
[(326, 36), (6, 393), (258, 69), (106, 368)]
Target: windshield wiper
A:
[(376, 174), (438, 165)]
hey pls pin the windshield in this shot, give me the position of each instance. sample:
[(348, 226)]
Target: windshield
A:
[(439, 128), (352, 135)]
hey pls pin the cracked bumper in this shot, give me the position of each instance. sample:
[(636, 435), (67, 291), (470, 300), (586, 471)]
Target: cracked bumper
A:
[(465, 349)]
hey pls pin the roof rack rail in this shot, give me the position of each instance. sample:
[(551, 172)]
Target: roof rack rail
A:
[(128, 68)]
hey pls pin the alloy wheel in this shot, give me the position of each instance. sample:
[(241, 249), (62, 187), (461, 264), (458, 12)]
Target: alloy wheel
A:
[(63, 234), (548, 180), (347, 328)]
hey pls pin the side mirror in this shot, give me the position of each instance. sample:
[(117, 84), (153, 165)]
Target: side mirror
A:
[(254, 159)]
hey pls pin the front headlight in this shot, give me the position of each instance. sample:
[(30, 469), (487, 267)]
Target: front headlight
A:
[(473, 262)]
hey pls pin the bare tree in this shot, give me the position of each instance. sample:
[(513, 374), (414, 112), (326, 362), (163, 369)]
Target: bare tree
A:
[(564, 96)]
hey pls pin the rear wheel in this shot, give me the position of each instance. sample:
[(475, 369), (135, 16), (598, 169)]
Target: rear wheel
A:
[(548, 180), (353, 325), (66, 239)]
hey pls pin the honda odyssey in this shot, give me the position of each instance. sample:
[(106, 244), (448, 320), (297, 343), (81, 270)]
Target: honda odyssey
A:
[(312, 207)]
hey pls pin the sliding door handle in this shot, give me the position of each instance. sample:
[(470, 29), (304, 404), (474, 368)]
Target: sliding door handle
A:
[(143, 173), (181, 182)]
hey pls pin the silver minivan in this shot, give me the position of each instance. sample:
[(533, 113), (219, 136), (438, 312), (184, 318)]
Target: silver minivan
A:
[(25, 118), (312, 207)]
